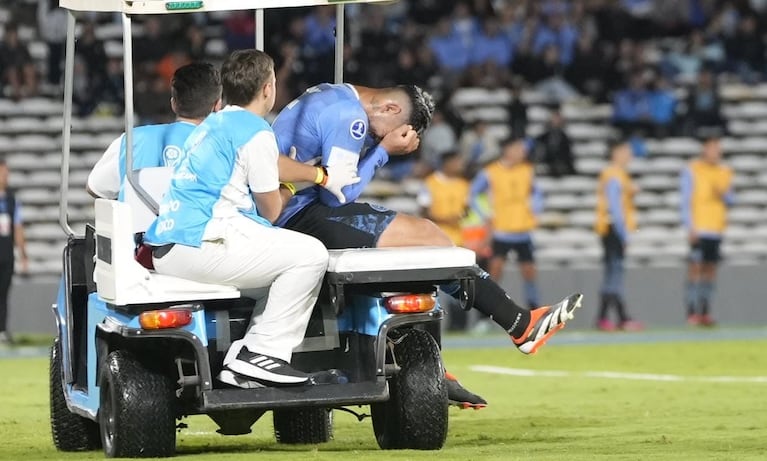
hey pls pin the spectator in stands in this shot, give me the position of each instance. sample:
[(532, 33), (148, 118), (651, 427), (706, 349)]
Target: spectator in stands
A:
[(240, 29), (444, 196), (631, 107), (450, 51), (409, 70), (90, 71), (16, 65), (550, 79), (491, 45), (587, 72), (380, 49), (703, 105), (556, 32), (52, 25), (662, 103), (195, 42), (438, 140), (153, 44), (515, 201), (707, 191), (746, 51), (478, 146), (554, 149), (517, 110), (11, 240), (615, 219)]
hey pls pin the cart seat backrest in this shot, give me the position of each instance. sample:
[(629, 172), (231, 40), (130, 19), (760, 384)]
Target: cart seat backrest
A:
[(155, 181)]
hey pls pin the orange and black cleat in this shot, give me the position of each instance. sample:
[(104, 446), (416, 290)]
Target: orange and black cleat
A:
[(545, 321), (461, 397)]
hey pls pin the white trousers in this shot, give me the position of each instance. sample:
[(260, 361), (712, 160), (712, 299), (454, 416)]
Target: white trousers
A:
[(255, 256)]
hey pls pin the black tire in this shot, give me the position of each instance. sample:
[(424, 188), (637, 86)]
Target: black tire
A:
[(70, 432), (303, 425), (415, 416), (137, 413)]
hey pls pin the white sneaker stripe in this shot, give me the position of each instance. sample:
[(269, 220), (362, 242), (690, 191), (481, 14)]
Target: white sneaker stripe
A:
[(272, 366)]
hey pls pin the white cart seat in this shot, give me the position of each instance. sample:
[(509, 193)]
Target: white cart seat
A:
[(123, 281), (405, 258)]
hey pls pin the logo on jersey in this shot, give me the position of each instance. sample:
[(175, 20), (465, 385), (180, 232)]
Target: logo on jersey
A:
[(172, 155), (358, 129)]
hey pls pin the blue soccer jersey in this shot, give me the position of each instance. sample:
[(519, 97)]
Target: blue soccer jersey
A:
[(328, 126), (153, 146)]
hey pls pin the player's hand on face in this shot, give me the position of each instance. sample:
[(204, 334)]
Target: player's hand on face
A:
[(400, 141), (339, 176)]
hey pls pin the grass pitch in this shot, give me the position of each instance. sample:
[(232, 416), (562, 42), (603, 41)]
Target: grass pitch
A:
[(712, 408)]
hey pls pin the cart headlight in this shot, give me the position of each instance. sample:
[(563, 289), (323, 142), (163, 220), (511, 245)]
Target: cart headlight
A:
[(165, 318), (410, 304)]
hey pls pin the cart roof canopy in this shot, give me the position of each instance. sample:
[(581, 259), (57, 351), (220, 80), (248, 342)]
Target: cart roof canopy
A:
[(182, 6)]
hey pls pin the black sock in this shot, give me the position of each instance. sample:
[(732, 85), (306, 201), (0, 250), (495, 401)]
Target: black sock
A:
[(604, 306), (621, 309), (491, 300)]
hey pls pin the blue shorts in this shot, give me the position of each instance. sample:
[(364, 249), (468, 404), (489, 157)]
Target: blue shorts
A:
[(524, 250), (354, 225)]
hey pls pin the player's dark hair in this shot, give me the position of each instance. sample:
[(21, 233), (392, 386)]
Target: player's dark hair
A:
[(422, 107), (243, 74), (195, 88)]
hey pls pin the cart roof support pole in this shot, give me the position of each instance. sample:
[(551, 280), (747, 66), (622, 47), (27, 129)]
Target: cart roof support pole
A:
[(66, 135), (129, 115), (260, 30), (339, 64)]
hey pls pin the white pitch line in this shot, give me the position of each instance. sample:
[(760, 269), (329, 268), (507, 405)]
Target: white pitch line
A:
[(616, 375)]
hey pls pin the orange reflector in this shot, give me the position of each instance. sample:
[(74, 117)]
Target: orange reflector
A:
[(409, 304), (168, 318)]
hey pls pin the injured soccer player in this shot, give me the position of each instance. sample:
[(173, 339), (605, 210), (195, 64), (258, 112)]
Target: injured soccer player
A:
[(343, 124)]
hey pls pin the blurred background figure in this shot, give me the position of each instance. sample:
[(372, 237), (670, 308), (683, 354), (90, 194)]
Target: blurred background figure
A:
[(706, 189), (16, 66), (616, 218), (11, 239), (554, 149), (515, 202), (444, 199), (52, 22), (478, 145)]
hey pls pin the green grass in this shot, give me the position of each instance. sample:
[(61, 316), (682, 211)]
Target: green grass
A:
[(541, 418)]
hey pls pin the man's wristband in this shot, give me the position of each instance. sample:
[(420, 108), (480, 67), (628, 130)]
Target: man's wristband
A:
[(289, 186), (322, 176)]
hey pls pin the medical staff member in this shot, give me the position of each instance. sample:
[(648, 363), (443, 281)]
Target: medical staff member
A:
[(195, 93), (706, 189), (215, 224)]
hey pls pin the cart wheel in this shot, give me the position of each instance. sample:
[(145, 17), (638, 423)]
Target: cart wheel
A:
[(137, 413), (415, 416), (303, 425), (70, 432)]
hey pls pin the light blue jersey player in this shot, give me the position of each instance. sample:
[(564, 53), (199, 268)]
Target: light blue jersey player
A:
[(340, 124), (195, 93)]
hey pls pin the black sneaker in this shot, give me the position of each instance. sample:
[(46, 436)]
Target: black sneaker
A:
[(233, 379), (461, 397), (266, 369)]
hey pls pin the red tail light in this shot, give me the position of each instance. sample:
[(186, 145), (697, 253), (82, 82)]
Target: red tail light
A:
[(410, 304), (167, 318)]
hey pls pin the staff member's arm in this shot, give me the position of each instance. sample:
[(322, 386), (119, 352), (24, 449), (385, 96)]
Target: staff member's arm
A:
[(20, 238), (261, 156), (104, 179)]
